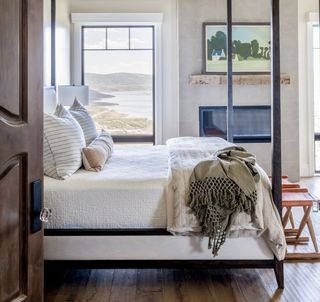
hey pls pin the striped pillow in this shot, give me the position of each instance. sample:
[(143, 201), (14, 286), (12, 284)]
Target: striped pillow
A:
[(85, 120), (63, 142)]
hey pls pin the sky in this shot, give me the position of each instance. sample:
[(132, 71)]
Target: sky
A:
[(240, 32), (114, 61)]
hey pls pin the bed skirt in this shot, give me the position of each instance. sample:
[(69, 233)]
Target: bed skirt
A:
[(140, 247)]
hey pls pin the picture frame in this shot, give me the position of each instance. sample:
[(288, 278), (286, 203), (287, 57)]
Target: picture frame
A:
[(251, 48)]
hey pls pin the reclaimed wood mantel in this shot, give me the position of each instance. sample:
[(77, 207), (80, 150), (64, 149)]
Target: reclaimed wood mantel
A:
[(252, 79)]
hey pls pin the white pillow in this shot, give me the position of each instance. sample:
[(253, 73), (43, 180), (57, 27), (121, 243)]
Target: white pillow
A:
[(85, 120), (63, 142)]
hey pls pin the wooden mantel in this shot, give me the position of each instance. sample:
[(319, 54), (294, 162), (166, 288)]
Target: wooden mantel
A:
[(251, 79)]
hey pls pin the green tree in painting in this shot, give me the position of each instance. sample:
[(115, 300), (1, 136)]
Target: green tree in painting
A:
[(242, 49), (260, 55), (220, 41), (217, 43), (255, 48), (210, 49)]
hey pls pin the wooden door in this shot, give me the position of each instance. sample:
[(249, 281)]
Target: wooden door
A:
[(21, 94)]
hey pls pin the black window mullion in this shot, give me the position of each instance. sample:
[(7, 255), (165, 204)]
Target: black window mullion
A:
[(106, 38), (82, 55)]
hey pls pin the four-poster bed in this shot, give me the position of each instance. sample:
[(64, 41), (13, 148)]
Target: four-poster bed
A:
[(262, 261)]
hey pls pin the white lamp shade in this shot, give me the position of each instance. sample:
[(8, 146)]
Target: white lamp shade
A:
[(67, 94), (49, 100)]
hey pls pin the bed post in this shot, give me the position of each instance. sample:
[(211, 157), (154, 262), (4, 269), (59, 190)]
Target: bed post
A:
[(276, 141), (230, 120)]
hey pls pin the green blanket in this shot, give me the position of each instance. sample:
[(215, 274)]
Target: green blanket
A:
[(220, 188)]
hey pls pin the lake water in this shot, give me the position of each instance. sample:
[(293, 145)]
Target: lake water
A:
[(132, 103)]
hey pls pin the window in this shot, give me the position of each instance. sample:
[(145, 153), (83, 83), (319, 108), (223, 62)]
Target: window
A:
[(118, 66), (316, 93)]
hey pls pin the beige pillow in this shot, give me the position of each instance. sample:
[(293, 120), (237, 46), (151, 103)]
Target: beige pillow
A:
[(95, 156)]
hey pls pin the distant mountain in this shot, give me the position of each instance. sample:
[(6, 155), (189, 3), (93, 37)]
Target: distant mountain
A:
[(119, 82)]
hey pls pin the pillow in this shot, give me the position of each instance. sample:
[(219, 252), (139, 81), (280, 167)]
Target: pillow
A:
[(85, 120), (98, 152), (63, 141)]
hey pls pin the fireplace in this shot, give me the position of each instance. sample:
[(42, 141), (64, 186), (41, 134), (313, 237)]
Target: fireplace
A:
[(252, 124)]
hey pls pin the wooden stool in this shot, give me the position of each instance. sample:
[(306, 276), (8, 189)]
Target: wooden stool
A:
[(288, 186), (299, 197)]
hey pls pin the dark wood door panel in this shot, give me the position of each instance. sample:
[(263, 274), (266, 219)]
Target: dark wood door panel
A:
[(13, 256), (10, 57), (21, 125)]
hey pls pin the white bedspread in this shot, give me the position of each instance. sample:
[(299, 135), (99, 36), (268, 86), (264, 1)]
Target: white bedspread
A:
[(184, 154), (128, 193), (136, 189)]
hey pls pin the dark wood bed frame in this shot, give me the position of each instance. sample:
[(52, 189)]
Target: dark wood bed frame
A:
[(276, 182)]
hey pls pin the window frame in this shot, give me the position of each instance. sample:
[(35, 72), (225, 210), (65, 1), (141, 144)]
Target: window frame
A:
[(126, 138), (312, 86)]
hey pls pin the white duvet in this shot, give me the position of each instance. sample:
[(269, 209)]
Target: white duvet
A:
[(129, 192)]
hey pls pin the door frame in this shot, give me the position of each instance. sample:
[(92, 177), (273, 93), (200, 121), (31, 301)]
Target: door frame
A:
[(313, 19)]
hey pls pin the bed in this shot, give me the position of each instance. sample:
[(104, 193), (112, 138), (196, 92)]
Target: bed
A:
[(100, 215), (72, 240), (119, 218)]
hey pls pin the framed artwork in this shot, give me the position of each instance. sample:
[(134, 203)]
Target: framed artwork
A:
[(251, 48)]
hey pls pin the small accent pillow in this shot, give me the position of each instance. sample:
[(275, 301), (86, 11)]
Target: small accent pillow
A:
[(63, 141), (98, 152), (85, 120)]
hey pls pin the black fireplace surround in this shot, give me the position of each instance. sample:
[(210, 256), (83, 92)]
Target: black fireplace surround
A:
[(252, 124)]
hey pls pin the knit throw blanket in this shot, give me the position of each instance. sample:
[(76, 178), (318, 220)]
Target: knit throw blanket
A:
[(221, 187)]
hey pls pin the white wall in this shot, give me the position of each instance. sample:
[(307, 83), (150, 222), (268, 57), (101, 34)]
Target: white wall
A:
[(305, 104), (182, 119), (191, 16), (47, 42), (63, 28), (170, 100)]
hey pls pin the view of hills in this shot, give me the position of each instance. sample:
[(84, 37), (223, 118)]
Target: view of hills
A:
[(119, 82)]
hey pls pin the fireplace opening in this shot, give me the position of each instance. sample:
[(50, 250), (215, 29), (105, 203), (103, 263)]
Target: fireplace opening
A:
[(252, 124)]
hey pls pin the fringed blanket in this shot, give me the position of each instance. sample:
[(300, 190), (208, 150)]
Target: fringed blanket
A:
[(256, 214), (220, 188)]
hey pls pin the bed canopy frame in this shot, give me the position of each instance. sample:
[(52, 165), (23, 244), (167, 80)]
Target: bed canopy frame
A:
[(276, 177)]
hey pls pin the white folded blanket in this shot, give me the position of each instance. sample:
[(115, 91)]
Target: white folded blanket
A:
[(184, 154)]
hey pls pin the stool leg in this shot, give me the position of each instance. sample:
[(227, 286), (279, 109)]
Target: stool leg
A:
[(304, 221), (312, 233), (286, 217), (291, 220)]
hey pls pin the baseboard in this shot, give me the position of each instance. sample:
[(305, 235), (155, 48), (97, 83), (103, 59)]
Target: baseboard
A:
[(306, 171)]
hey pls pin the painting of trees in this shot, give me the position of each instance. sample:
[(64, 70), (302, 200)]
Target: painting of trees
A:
[(251, 43)]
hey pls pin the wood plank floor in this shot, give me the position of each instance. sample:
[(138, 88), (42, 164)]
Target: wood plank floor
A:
[(302, 284), (302, 281)]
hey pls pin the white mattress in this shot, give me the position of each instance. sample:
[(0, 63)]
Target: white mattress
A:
[(128, 193)]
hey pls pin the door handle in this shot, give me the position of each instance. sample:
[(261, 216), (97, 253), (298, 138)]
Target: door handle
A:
[(38, 214), (45, 215)]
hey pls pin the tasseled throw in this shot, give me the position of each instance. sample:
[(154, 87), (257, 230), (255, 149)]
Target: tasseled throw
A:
[(220, 188)]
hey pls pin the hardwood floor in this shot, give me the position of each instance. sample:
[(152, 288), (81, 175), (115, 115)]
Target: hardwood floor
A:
[(302, 281), (302, 284)]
